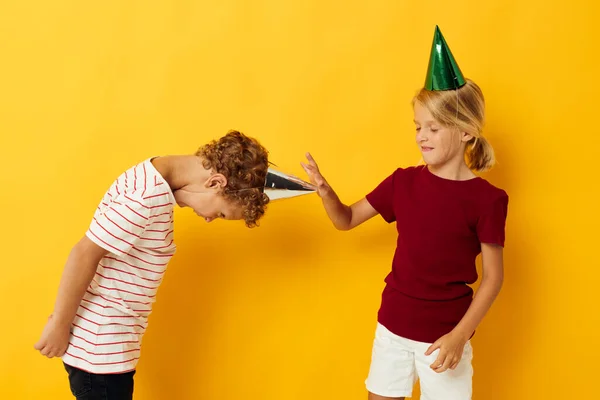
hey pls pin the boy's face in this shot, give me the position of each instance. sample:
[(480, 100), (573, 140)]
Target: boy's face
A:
[(207, 201), (438, 144)]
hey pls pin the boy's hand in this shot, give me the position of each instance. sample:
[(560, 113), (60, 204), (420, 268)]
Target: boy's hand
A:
[(312, 170), (451, 348), (55, 338)]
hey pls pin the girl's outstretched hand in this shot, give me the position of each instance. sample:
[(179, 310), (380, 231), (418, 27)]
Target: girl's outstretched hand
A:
[(314, 175)]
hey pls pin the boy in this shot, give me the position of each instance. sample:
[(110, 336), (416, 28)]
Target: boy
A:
[(112, 274)]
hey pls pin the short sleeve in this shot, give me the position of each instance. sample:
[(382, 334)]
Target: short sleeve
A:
[(492, 222), (118, 225), (382, 198)]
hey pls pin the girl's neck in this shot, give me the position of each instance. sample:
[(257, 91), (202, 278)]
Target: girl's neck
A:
[(455, 170)]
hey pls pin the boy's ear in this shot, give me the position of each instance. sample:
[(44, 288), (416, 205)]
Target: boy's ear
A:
[(216, 181)]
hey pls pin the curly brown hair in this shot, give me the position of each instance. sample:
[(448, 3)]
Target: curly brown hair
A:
[(244, 162)]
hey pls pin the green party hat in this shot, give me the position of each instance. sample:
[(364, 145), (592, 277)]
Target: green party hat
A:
[(443, 72)]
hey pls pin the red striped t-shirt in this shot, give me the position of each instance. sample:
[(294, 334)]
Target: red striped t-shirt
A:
[(134, 223)]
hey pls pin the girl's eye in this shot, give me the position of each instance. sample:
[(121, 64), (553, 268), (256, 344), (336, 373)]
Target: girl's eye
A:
[(434, 130), (418, 129)]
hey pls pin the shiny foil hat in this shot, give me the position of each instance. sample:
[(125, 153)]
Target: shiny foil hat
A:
[(443, 72), (279, 185)]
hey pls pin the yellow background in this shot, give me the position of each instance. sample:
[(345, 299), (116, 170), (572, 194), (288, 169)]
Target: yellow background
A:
[(287, 311)]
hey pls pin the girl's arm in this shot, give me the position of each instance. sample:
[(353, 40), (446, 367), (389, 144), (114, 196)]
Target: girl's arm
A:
[(452, 345), (491, 283), (344, 217)]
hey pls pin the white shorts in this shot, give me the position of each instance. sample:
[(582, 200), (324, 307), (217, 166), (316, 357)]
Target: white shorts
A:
[(397, 363)]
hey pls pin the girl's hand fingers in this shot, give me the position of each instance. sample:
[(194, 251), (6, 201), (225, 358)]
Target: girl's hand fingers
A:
[(445, 365), (439, 361), (433, 347), (311, 160)]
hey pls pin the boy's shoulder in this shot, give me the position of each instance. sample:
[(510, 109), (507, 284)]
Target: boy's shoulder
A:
[(141, 184)]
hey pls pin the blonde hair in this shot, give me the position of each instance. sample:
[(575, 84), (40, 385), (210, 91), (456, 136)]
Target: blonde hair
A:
[(463, 108)]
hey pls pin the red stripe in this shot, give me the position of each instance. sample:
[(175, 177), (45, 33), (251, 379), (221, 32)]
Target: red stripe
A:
[(158, 215), (161, 247), (155, 180), (110, 363), (113, 308), (117, 187), (110, 324), (156, 195), (147, 262), (83, 329), (104, 204), (132, 210), (158, 239), (134, 266), (96, 304), (126, 301), (137, 302), (102, 354), (99, 295), (104, 344), (154, 255), (122, 216), (134, 178), (161, 205), (144, 192), (108, 316), (157, 230), (121, 228), (129, 273), (109, 245), (126, 180), (110, 233), (159, 183), (128, 283), (162, 222), (125, 291), (135, 201), (104, 334)]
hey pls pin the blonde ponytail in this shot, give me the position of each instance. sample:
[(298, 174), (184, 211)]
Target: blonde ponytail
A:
[(480, 154)]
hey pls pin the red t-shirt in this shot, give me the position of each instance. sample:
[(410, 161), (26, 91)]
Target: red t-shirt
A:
[(441, 224)]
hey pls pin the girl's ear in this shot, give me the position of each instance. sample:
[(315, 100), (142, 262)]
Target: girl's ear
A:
[(466, 137)]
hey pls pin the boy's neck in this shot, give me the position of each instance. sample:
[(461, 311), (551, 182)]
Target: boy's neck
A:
[(180, 171)]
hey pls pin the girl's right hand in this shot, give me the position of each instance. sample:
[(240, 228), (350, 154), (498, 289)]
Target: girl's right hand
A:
[(312, 170)]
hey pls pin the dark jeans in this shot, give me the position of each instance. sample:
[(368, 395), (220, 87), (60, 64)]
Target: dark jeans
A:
[(88, 386)]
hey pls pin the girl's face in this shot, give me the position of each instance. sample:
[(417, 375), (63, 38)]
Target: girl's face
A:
[(439, 144)]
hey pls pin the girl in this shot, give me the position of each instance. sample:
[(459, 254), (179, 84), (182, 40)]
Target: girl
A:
[(445, 216)]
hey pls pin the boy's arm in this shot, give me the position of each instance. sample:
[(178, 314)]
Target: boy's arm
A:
[(344, 217), (78, 273)]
